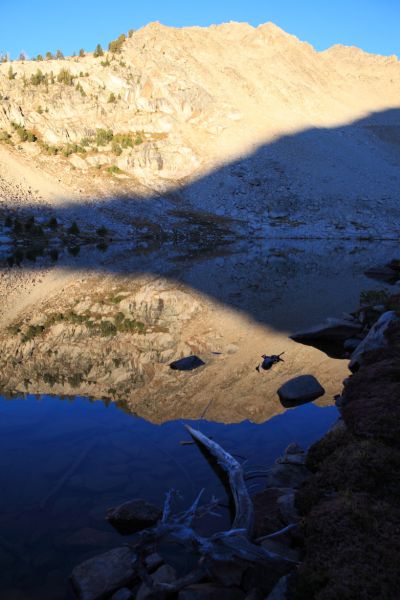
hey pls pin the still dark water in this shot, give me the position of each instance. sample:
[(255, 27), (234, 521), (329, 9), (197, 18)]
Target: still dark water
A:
[(63, 462)]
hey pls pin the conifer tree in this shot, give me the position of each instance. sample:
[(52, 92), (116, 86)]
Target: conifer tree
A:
[(98, 51)]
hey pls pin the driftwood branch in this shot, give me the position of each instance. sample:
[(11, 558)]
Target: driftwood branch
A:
[(276, 534), (234, 546), (243, 504)]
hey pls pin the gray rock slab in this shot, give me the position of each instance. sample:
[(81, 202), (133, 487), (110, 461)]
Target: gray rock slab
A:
[(374, 340), (98, 577)]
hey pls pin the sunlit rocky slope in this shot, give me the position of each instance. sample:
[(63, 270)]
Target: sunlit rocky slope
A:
[(247, 122)]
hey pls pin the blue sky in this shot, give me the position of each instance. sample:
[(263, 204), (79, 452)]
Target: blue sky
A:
[(36, 26)]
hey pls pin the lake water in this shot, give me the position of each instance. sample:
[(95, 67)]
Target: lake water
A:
[(63, 462)]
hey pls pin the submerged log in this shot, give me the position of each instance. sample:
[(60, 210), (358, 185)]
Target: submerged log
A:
[(213, 556), (243, 504), (233, 546)]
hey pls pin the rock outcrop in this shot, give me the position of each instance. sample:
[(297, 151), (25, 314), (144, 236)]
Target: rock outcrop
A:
[(226, 118), (351, 501)]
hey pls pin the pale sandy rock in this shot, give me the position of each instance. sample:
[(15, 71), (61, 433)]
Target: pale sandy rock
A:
[(220, 93)]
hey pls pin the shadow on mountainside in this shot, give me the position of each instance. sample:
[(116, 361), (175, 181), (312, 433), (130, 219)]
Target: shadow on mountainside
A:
[(304, 212)]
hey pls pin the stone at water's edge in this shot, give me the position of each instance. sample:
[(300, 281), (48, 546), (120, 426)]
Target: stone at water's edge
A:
[(165, 574), (287, 476), (304, 388), (100, 576), (374, 340), (331, 330), (133, 516)]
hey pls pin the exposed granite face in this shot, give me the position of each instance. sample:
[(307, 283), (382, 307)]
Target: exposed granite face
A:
[(98, 577)]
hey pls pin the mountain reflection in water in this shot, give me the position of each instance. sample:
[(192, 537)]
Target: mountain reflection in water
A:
[(63, 462)]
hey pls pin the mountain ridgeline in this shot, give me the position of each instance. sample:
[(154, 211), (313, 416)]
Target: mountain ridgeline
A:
[(231, 117)]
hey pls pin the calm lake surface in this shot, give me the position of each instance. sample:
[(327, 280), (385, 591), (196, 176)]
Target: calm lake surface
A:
[(50, 521), (63, 462)]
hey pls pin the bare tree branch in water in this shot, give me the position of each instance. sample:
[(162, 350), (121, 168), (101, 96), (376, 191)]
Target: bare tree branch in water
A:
[(233, 546)]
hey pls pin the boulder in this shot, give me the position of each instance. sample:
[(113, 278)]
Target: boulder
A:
[(133, 516), (333, 330), (153, 561), (299, 390), (330, 335), (165, 574), (187, 364), (374, 340), (294, 455), (287, 476), (98, 577)]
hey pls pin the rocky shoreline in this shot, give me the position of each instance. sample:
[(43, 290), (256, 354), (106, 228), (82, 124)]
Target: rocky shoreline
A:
[(349, 506), (328, 518)]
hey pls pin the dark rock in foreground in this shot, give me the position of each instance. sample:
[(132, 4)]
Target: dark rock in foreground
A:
[(375, 339), (187, 364), (299, 390), (287, 476), (133, 516), (165, 574), (100, 576), (350, 505)]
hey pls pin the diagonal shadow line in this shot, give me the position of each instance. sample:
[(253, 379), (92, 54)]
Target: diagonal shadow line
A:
[(283, 211)]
